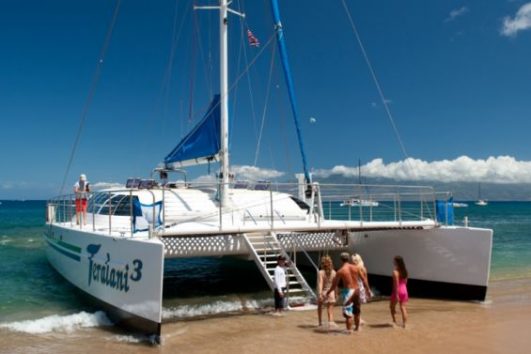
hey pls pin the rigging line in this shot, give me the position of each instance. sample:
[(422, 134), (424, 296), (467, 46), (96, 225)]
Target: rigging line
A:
[(376, 82), (235, 95), (239, 77), (246, 58), (161, 103), (166, 80), (283, 113), (193, 74), (206, 65), (92, 91), (268, 92)]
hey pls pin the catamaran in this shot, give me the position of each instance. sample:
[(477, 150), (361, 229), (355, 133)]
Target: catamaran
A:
[(117, 258)]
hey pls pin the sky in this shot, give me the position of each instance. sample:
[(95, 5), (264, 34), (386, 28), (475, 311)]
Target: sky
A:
[(455, 76)]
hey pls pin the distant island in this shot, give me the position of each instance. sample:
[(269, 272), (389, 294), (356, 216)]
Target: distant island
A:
[(462, 191)]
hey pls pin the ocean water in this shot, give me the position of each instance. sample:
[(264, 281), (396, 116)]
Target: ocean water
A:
[(35, 299)]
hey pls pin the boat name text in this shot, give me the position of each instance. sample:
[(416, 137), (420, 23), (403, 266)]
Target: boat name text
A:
[(107, 275)]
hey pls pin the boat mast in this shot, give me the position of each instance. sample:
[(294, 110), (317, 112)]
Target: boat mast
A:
[(224, 91), (224, 99)]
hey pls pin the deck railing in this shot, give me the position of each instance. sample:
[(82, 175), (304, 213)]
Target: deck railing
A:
[(116, 211)]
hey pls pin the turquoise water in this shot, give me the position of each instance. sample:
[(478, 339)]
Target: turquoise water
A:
[(511, 222), (31, 289)]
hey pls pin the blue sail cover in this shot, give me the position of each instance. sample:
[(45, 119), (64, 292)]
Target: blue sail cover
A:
[(202, 144)]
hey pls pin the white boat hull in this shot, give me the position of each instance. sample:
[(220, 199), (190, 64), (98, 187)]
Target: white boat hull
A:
[(445, 262), (123, 274)]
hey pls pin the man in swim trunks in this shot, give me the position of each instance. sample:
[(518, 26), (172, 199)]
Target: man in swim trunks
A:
[(348, 275)]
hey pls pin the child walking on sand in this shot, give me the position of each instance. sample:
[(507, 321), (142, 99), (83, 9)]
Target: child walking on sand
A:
[(325, 278), (399, 293)]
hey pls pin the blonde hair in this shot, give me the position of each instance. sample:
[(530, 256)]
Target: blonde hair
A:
[(357, 260), (326, 264)]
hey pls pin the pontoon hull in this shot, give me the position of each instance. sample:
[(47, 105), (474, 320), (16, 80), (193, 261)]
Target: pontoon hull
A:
[(444, 262), (123, 275)]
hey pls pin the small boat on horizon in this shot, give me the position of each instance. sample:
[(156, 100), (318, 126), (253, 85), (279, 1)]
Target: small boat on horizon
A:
[(356, 202), (481, 202)]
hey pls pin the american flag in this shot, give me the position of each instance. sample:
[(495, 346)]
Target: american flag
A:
[(253, 41)]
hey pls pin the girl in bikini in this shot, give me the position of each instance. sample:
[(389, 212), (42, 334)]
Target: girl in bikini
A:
[(399, 294), (325, 278)]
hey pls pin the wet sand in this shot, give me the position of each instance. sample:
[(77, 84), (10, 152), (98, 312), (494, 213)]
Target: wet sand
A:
[(500, 325)]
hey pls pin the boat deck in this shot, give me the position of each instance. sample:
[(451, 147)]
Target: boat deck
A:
[(192, 222)]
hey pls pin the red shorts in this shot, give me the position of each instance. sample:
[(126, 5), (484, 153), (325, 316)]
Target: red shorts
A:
[(81, 205)]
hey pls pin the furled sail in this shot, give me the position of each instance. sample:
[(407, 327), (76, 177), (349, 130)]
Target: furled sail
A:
[(202, 144)]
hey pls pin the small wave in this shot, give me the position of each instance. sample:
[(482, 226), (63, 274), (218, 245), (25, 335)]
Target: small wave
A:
[(188, 311), (128, 338), (135, 338), (56, 323), (215, 308)]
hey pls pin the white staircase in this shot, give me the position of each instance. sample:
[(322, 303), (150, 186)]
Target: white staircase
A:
[(265, 249)]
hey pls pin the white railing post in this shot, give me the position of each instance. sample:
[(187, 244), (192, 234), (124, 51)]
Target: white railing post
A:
[(370, 208), (421, 206), (221, 190), (399, 209), (131, 210), (163, 208), (271, 204), (110, 212), (93, 215)]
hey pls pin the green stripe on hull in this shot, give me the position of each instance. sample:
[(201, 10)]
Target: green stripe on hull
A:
[(64, 244), (69, 246)]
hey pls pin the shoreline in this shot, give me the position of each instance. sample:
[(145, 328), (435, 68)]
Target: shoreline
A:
[(500, 324)]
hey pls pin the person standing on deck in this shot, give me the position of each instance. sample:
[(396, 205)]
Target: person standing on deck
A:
[(81, 190), (280, 285)]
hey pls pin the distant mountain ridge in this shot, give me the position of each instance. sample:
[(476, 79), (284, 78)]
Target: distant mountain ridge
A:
[(462, 191)]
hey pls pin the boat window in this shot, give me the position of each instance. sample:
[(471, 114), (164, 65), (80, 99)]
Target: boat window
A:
[(120, 204), (301, 204), (95, 203)]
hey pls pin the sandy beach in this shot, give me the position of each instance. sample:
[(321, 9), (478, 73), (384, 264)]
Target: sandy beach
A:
[(500, 325)]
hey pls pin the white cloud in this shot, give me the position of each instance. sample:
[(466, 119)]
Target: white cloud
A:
[(254, 173), (521, 21), (501, 169), (455, 13), (244, 173), (9, 185), (6, 185), (207, 179)]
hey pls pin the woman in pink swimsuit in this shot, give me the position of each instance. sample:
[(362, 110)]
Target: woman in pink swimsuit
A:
[(399, 293)]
